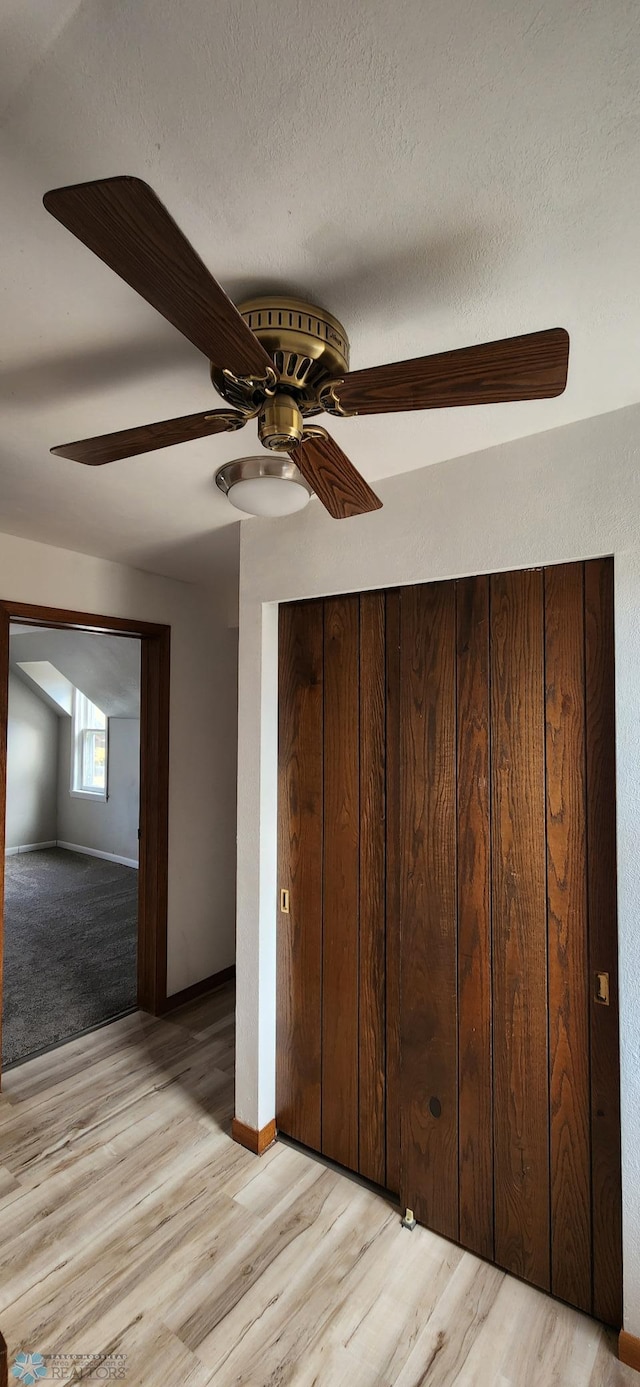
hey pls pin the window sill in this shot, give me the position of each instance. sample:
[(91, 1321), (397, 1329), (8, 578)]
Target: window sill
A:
[(99, 795)]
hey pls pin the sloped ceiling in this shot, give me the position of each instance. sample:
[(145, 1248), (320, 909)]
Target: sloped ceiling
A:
[(105, 668), (435, 172)]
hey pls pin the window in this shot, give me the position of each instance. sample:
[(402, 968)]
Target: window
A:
[(90, 749)]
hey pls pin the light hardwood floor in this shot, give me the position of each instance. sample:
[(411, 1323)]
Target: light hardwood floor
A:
[(131, 1224)]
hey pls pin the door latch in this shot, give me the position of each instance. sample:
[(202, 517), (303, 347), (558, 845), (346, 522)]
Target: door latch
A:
[(284, 901), (602, 989)]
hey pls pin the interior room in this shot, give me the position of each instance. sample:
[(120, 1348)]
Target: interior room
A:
[(71, 835), (320, 429)]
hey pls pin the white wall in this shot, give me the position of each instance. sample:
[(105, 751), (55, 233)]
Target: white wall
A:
[(202, 730), (571, 493), (32, 768), (108, 825)]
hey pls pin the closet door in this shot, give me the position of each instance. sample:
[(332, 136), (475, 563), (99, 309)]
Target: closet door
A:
[(300, 834), (336, 1036), (603, 943), (520, 1054), (447, 944), (508, 1016), (428, 1025)]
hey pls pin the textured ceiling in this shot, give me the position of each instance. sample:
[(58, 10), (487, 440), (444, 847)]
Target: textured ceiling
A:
[(435, 172)]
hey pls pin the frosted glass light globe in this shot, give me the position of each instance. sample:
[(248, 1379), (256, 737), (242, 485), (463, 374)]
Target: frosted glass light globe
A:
[(268, 496), (269, 485)]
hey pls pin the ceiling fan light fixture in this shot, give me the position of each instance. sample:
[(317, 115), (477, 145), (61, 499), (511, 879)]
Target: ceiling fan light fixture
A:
[(279, 360), (269, 486)]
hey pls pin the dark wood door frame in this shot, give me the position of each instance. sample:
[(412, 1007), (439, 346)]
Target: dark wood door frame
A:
[(155, 641)]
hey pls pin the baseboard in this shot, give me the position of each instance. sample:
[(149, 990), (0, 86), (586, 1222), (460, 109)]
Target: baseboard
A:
[(96, 852), (73, 847), (629, 1350), (30, 847), (255, 1140), (198, 989)]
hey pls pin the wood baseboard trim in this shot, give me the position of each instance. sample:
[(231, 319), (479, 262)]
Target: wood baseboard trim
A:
[(254, 1140), (198, 989), (629, 1350)]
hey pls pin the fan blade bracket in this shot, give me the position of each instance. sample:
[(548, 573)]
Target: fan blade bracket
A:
[(329, 402), (266, 384), (314, 431), (233, 421)]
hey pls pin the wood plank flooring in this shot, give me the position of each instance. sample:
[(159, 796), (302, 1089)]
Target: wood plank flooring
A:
[(131, 1224)]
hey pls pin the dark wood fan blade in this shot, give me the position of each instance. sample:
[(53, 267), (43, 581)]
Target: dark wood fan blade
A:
[(532, 367), (110, 447), (333, 478), (126, 225)]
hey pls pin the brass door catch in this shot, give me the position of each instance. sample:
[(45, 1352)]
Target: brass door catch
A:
[(602, 989), (284, 901)]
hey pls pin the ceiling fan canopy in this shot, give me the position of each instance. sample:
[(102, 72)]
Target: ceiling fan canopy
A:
[(276, 359)]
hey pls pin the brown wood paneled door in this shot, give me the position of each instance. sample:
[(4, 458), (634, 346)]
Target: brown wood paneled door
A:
[(300, 819), (519, 1059), (333, 1020), (603, 952), (448, 1020), (372, 917), (428, 1014), (475, 1074), (568, 962), (341, 894), (520, 1055)]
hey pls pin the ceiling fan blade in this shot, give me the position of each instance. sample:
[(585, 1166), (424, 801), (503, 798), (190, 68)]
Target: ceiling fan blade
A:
[(531, 367), (333, 478), (110, 447), (127, 226)]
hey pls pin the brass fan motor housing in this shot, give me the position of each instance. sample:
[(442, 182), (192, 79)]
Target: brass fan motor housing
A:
[(307, 345), (280, 423)]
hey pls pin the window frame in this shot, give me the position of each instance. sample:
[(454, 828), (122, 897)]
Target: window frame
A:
[(79, 730)]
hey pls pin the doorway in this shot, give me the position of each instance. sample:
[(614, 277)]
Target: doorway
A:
[(71, 835), (84, 710), (447, 943)]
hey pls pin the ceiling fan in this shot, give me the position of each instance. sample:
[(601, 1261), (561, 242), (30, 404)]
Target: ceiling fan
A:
[(276, 359)]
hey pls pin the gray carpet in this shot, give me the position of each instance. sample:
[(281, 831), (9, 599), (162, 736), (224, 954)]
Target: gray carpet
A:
[(69, 947)]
